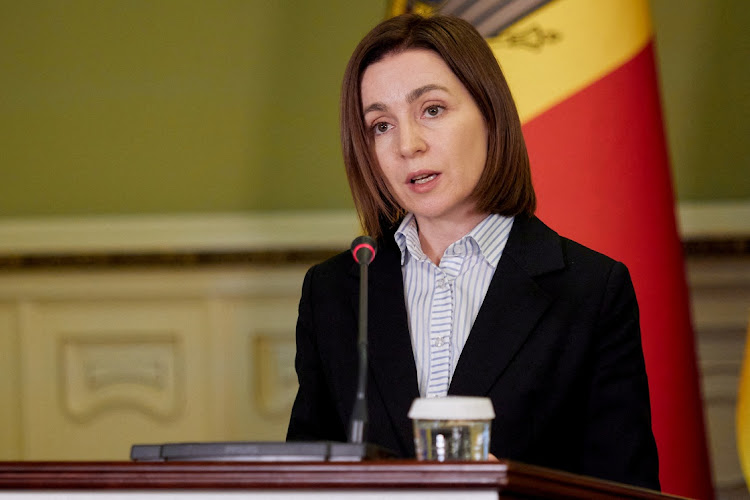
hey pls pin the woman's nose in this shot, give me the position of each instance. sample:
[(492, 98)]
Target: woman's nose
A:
[(411, 140)]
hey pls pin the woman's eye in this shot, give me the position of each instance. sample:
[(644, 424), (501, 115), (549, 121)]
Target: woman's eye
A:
[(381, 128), (433, 110)]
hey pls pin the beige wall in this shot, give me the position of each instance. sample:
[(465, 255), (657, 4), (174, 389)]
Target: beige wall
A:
[(182, 106)]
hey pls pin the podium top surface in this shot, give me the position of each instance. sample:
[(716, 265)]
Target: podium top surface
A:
[(509, 479)]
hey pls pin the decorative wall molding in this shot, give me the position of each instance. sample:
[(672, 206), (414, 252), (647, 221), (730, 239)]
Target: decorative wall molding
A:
[(275, 379), (709, 220), (710, 227), (112, 372), (95, 360), (139, 234)]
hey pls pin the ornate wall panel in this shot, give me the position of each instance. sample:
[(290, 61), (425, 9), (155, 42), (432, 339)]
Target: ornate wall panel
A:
[(92, 362), (262, 357), (100, 374)]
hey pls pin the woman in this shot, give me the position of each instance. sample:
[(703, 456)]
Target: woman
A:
[(470, 294)]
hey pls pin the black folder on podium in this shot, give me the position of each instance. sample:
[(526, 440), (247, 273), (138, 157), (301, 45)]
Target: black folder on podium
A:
[(264, 451)]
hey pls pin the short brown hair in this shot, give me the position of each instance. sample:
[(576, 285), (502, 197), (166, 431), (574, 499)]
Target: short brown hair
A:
[(505, 185)]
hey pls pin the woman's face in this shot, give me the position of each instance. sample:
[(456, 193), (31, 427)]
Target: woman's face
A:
[(430, 138)]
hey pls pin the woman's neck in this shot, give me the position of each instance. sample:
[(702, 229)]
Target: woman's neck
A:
[(436, 235)]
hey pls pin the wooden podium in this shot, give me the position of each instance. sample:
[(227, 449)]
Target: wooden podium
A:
[(315, 480)]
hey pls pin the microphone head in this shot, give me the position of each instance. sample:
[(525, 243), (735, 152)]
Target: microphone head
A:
[(363, 249)]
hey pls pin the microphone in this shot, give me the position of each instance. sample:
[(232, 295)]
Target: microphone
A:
[(363, 251)]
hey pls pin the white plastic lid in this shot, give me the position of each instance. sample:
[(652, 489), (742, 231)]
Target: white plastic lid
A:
[(452, 408)]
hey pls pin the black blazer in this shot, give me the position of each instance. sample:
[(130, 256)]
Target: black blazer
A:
[(556, 346)]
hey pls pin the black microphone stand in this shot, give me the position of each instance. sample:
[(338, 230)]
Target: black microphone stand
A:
[(359, 412), (363, 251)]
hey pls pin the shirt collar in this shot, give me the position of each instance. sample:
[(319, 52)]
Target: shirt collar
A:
[(490, 235), (407, 239)]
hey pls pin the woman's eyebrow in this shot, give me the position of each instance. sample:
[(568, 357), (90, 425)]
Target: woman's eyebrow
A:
[(418, 92), (410, 98), (376, 106)]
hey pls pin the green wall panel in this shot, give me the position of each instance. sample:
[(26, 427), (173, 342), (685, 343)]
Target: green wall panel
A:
[(703, 49), (178, 106), (144, 106)]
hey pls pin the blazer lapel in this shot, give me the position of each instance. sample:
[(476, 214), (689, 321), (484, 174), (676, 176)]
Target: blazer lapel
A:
[(511, 308), (391, 361)]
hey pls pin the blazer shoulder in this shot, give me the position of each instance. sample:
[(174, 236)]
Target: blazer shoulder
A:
[(540, 249), (341, 262)]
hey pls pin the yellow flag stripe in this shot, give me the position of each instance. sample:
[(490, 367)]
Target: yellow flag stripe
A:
[(567, 45), (743, 412)]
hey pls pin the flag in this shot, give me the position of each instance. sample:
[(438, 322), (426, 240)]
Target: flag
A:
[(583, 75), (743, 413)]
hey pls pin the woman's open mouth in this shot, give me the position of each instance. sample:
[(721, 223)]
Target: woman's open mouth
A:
[(421, 179)]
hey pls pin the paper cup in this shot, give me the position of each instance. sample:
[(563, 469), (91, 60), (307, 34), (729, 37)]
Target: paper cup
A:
[(452, 428)]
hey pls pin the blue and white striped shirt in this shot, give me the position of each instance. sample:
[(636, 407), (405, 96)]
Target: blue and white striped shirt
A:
[(443, 301)]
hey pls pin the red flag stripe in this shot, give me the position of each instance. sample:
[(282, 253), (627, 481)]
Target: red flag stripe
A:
[(601, 172)]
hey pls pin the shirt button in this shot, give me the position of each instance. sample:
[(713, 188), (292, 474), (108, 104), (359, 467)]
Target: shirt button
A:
[(441, 341)]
